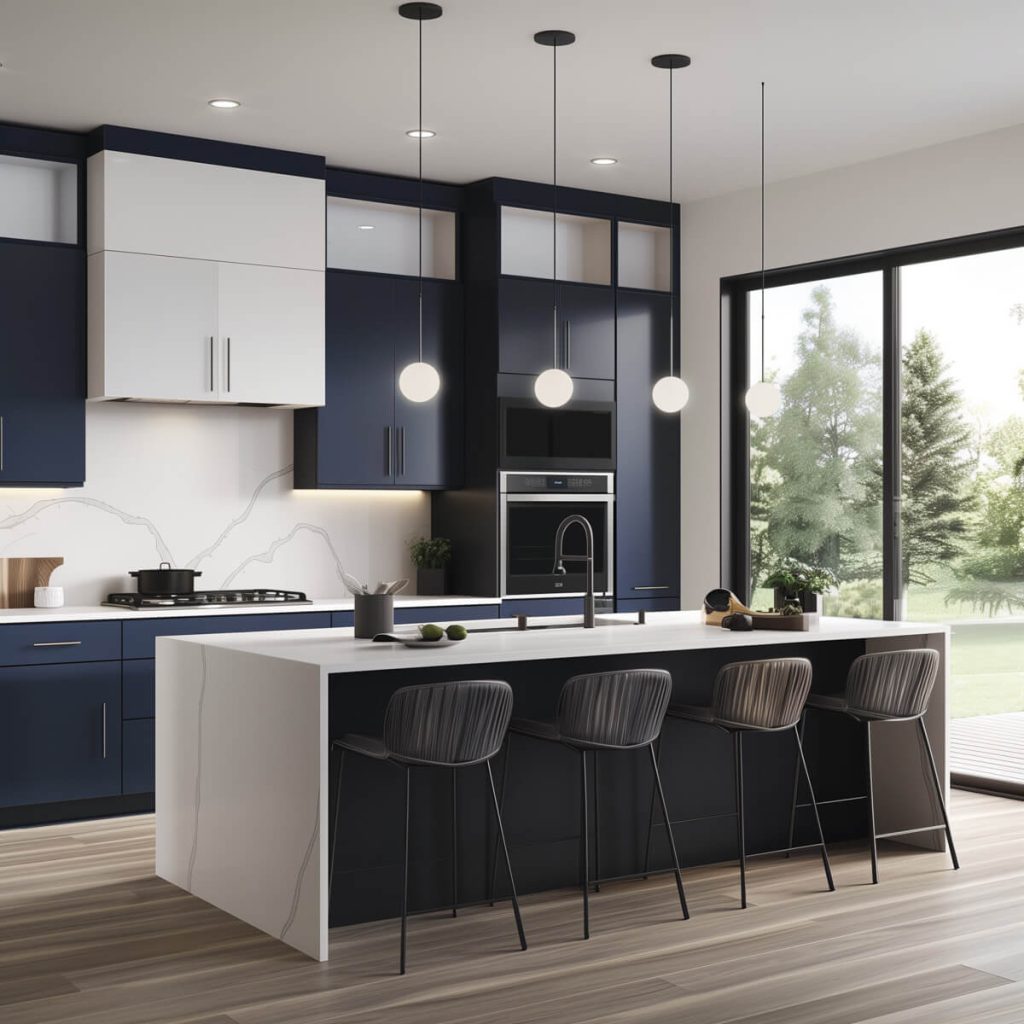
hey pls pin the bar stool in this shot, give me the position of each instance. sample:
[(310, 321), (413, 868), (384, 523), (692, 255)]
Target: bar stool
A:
[(439, 725), (890, 686), (605, 711), (756, 696)]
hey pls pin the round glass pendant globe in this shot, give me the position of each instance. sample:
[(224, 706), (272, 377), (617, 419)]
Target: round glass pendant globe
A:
[(553, 388), (419, 382), (670, 394), (764, 399)]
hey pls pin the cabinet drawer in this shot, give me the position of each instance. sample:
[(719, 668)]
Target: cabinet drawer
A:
[(446, 613), (648, 604), (342, 618), (140, 637), (542, 606), (138, 762), (47, 643), (138, 689)]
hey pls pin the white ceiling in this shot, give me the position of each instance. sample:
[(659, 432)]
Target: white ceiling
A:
[(848, 80)]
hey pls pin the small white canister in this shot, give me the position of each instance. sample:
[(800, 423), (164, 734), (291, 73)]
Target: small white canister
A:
[(49, 597)]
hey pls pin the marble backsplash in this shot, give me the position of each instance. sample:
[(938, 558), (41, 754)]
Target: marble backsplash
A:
[(207, 488)]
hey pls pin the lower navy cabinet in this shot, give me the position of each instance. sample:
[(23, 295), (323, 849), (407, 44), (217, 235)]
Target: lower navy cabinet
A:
[(542, 606), (648, 604), (60, 732), (137, 752), (446, 613), (42, 354), (647, 513)]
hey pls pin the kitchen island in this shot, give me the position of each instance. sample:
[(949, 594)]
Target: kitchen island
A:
[(244, 794)]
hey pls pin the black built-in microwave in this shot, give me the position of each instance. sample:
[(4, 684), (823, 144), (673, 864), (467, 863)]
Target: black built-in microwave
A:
[(579, 436)]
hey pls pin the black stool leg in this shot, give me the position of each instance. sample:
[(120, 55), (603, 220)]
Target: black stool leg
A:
[(585, 844), (796, 789), (814, 807), (501, 801), (597, 829), (508, 860), (938, 793), (455, 842), (741, 842), (671, 837), (650, 817), (405, 873), (334, 831), (871, 804)]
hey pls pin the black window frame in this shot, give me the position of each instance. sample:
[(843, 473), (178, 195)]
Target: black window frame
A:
[(734, 491)]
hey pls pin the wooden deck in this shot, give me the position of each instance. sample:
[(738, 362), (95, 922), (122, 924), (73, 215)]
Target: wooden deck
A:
[(89, 936), (988, 749)]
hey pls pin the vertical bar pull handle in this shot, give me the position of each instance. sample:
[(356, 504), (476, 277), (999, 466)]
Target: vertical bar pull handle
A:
[(104, 730), (568, 344), (211, 361), (388, 454), (229, 365)]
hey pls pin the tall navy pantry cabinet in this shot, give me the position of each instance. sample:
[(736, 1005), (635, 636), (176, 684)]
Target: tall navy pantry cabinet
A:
[(368, 435)]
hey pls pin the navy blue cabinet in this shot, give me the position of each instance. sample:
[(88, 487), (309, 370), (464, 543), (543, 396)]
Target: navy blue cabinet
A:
[(60, 732), (42, 354), (585, 343), (647, 514), (138, 756), (367, 434)]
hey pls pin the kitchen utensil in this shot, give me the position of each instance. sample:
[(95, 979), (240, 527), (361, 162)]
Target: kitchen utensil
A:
[(355, 588), (381, 588), (396, 586), (165, 580)]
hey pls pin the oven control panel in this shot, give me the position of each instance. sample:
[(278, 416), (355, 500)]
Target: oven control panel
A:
[(556, 483)]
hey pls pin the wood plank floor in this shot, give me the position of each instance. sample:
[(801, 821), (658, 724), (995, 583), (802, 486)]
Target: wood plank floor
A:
[(87, 934)]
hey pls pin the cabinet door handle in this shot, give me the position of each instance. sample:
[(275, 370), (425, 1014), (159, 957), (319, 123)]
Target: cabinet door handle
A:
[(228, 388), (568, 344), (400, 445), (662, 587), (104, 730), (211, 362), (59, 643), (388, 454)]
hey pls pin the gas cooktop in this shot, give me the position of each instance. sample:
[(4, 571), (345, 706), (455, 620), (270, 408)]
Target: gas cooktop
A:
[(207, 599)]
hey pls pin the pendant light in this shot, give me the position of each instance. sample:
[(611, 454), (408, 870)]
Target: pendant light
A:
[(553, 387), (420, 381), (763, 398), (670, 393)]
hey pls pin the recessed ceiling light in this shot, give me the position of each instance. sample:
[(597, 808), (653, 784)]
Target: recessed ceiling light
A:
[(225, 104), (603, 161), (416, 133), (366, 227)]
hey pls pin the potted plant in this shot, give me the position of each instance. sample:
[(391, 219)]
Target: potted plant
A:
[(796, 583), (431, 557)]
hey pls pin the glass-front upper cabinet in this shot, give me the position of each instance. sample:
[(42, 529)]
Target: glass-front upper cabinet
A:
[(38, 199), (381, 238), (584, 250), (644, 257)]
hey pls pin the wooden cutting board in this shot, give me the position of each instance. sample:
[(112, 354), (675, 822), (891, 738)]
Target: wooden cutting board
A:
[(19, 578)]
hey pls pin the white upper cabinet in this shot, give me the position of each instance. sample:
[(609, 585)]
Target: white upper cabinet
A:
[(166, 207), (206, 283)]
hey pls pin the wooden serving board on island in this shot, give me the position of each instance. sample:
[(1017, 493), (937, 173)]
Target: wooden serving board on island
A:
[(720, 603)]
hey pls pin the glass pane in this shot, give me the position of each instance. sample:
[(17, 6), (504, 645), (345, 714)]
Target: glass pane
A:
[(963, 491), (816, 465)]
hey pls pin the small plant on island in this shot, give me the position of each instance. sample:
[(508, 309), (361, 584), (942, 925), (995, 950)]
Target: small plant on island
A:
[(798, 584)]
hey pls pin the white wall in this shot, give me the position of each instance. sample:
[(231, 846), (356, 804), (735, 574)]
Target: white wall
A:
[(957, 188), (208, 488)]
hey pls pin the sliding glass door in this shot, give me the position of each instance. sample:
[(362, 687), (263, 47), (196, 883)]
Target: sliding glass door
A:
[(816, 466), (896, 460)]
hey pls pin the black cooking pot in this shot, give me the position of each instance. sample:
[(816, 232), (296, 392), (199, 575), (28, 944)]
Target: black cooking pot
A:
[(165, 580)]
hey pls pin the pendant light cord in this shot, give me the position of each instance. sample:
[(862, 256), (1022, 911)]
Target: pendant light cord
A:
[(419, 139), (554, 205), (671, 231), (762, 231)]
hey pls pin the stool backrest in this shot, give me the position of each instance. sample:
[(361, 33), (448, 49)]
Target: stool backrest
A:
[(448, 723), (895, 684), (767, 694), (615, 709)]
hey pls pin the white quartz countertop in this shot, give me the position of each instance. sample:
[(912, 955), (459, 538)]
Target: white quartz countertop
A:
[(83, 613), (497, 640)]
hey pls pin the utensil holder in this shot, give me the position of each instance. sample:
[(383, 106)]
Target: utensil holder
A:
[(374, 613)]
